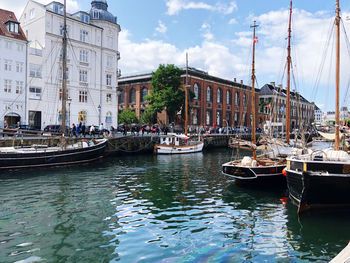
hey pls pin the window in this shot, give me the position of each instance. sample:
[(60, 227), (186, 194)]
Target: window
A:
[(109, 79), (237, 99), (196, 91), (219, 96), (83, 96), (132, 98), (228, 118), (96, 14), (84, 56), (228, 97), (61, 30), (58, 9), (19, 67), (195, 118), (7, 85), (38, 52), (84, 35), (109, 61), (66, 94), (144, 92), (236, 118), (208, 118), (82, 116), (108, 98), (218, 118), (12, 27), (8, 44), (244, 100), (208, 94), (20, 47), (8, 65), (35, 71), (121, 97), (108, 117), (61, 73), (19, 87), (84, 18), (83, 76), (35, 93), (110, 41), (31, 13)]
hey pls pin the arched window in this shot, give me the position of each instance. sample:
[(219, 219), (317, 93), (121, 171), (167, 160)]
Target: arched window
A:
[(196, 91), (219, 96), (82, 116), (132, 98), (218, 118), (208, 94), (244, 100), (228, 118), (237, 99), (228, 97), (121, 97), (144, 93), (108, 117), (208, 118)]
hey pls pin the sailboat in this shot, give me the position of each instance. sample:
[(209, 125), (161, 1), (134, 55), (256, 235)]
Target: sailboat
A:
[(179, 144), (63, 154), (321, 179), (260, 169)]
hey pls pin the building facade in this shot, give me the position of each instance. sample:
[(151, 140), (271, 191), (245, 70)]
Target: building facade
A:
[(274, 100), (13, 59), (92, 64), (318, 115), (217, 102)]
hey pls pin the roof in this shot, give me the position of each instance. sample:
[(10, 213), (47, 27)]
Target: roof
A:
[(6, 16), (269, 89)]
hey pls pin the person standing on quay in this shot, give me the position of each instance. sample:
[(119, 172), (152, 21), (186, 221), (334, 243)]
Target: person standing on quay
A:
[(92, 130), (73, 129), (101, 128), (83, 129)]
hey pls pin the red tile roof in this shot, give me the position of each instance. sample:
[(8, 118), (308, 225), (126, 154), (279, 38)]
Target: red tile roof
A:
[(6, 16)]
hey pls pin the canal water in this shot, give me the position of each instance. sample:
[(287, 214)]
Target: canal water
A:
[(146, 208)]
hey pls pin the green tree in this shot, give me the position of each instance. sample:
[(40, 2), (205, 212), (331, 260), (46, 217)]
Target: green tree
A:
[(166, 92), (148, 116), (127, 117)]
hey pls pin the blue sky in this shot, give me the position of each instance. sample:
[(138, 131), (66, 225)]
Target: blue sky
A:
[(217, 36)]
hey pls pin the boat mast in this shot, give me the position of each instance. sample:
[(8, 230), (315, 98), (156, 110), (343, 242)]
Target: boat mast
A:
[(337, 23), (253, 90), (288, 75), (64, 70), (186, 95)]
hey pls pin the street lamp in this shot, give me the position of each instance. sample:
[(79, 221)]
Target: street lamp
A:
[(118, 94), (99, 114)]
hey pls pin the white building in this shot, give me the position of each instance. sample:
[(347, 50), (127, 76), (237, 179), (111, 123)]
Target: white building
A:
[(92, 64), (318, 115), (13, 50)]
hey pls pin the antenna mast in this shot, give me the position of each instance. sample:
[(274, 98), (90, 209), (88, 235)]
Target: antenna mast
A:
[(288, 75), (253, 90), (64, 70), (337, 77)]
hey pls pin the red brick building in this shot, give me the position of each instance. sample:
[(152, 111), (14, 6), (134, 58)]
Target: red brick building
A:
[(217, 102)]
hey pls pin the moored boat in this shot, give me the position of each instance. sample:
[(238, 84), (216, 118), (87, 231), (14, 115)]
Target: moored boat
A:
[(177, 144), (41, 156)]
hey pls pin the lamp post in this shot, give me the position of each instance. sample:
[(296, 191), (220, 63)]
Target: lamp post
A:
[(69, 100), (117, 118), (99, 114)]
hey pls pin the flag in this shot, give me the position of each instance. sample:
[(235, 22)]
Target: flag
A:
[(268, 106), (256, 40)]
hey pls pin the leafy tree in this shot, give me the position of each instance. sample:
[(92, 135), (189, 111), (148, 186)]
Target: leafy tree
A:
[(263, 104), (127, 117), (166, 92), (148, 116)]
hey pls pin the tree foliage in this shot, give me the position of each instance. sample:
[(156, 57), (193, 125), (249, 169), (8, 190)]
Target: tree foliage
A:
[(127, 117), (166, 92), (148, 116)]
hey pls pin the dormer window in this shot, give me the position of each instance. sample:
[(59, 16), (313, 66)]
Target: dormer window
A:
[(84, 18), (12, 27), (96, 14), (58, 9)]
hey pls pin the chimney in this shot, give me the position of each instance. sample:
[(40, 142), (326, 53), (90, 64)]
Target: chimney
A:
[(234, 80), (241, 81)]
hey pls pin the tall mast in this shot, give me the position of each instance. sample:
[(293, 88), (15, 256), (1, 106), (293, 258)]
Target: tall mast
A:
[(253, 90), (337, 23), (64, 67), (186, 95), (288, 75)]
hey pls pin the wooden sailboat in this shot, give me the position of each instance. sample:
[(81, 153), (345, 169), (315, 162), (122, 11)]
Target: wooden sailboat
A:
[(321, 179), (43, 156), (258, 169), (179, 144)]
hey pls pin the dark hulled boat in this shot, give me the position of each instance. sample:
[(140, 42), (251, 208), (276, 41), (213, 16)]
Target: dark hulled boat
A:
[(81, 152)]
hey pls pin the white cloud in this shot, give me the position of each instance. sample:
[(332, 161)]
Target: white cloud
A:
[(232, 21), (161, 28), (175, 6), (17, 6)]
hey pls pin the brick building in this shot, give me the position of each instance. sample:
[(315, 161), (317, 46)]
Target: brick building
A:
[(217, 102)]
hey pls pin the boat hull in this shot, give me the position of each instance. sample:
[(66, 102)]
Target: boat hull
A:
[(172, 149), (318, 185), (245, 174), (51, 158)]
